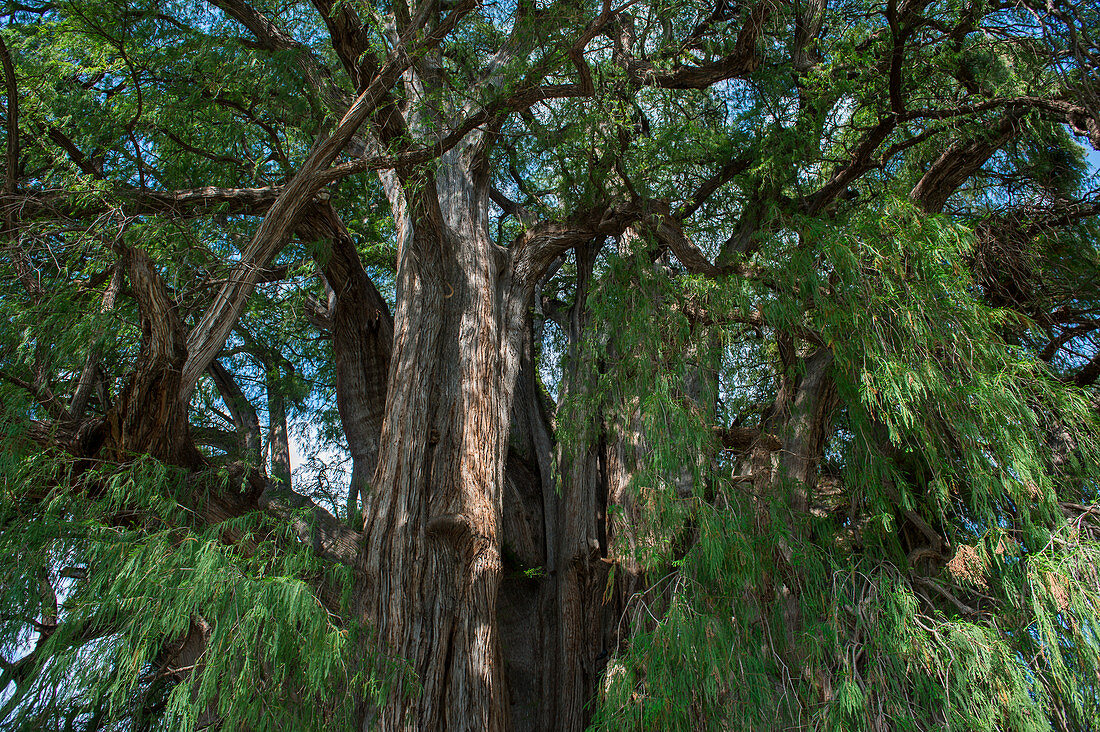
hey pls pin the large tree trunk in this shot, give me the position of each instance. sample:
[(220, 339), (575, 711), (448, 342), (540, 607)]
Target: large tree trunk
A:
[(527, 610), (362, 341), (150, 418), (603, 586), (433, 526)]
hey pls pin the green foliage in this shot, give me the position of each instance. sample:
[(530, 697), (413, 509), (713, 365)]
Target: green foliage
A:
[(940, 414), (144, 588), (940, 417)]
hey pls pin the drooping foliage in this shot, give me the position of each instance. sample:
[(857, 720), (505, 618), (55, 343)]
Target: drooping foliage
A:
[(147, 616)]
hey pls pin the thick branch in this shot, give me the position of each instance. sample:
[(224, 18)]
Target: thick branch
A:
[(11, 171), (245, 419), (273, 38), (960, 161), (536, 248), (209, 335), (739, 64), (134, 202), (362, 343), (314, 526)]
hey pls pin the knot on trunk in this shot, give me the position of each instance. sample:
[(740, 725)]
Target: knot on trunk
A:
[(462, 534), (587, 556), (454, 526)]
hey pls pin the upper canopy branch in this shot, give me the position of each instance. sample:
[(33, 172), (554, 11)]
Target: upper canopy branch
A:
[(1081, 120), (741, 62), (273, 38), (212, 330), (959, 162), (536, 248)]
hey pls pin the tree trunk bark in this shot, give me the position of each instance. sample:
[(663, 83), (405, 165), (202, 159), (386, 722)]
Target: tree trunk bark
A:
[(277, 437), (362, 341), (150, 417), (786, 479), (527, 611), (433, 526), (582, 536)]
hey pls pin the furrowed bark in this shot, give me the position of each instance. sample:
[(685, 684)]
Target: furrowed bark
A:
[(582, 539), (433, 526), (787, 478), (808, 417), (362, 341), (150, 417), (527, 614)]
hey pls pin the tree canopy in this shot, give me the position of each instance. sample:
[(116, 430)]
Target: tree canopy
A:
[(683, 364)]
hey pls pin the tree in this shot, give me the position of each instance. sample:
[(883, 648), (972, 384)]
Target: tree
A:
[(680, 365)]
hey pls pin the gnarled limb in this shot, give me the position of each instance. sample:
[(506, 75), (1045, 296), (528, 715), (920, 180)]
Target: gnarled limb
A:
[(210, 333)]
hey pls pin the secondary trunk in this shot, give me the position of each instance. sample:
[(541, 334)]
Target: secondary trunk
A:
[(150, 418), (277, 437), (785, 481), (582, 535)]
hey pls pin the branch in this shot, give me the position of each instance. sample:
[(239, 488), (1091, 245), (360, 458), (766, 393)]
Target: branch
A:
[(671, 234), (11, 173), (41, 393), (273, 38), (349, 39), (734, 167), (90, 166), (1078, 118), (58, 203), (245, 419), (861, 161), (362, 345), (538, 246), (136, 202), (162, 329), (737, 65), (959, 162), (326, 534), (88, 375), (1068, 334), (212, 330)]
